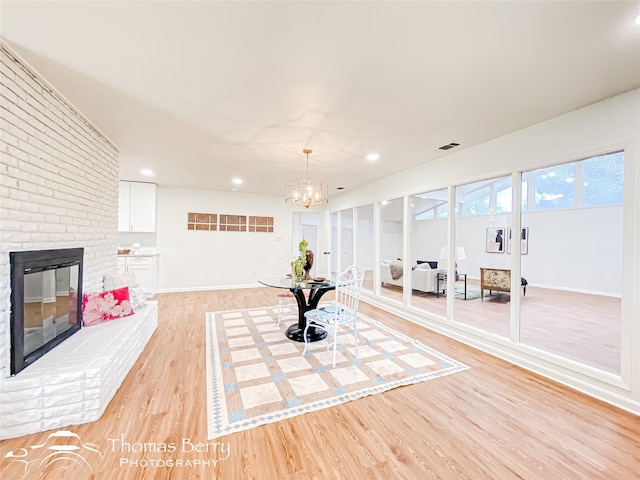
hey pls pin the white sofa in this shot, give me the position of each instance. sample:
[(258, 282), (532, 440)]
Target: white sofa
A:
[(423, 277)]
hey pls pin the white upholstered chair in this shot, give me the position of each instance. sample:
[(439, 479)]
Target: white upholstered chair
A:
[(342, 310)]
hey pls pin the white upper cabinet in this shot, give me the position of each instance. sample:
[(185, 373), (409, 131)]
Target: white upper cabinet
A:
[(137, 207)]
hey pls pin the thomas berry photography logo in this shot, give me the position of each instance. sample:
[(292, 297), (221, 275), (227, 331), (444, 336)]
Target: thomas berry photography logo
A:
[(60, 451)]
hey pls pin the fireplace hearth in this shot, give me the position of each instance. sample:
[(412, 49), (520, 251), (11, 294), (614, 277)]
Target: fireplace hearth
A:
[(46, 302)]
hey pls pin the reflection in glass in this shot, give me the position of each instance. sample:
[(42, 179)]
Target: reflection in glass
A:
[(391, 238), (364, 248), (480, 235), (603, 180), (428, 238), (573, 265), (333, 225), (50, 300), (346, 238), (554, 187)]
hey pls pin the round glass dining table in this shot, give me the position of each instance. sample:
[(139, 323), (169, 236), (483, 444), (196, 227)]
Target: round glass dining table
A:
[(316, 290)]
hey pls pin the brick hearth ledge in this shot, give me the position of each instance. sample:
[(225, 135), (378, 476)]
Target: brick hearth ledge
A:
[(74, 382)]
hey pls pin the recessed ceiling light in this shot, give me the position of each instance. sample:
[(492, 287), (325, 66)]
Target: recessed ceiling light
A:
[(372, 157), (147, 172), (384, 202), (638, 19), (237, 181)]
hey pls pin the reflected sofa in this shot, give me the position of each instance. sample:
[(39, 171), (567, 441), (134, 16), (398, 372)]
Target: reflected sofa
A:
[(423, 277)]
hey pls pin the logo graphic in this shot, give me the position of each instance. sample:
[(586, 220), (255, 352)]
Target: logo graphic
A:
[(61, 450)]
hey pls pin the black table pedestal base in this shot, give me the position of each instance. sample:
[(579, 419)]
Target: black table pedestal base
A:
[(295, 332), (313, 334)]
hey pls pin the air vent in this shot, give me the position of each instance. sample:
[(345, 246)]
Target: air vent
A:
[(449, 146)]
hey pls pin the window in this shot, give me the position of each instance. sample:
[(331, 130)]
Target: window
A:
[(233, 223), (428, 215), (477, 202), (554, 187), (442, 211), (603, 180), (503, 200), (592, 182), (260, 224)]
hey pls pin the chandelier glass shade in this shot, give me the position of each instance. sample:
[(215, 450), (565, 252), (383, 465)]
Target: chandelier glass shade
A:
[(306, 193)]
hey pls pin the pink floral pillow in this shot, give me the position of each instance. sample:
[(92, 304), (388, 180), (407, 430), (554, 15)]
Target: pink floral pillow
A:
[(101, 307)]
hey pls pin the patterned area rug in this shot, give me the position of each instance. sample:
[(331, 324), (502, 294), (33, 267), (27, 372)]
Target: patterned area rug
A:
[(473, 292), (256, 375)]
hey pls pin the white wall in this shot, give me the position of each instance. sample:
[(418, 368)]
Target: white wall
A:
[(390, 240), (429, 236), (200, 260), (365, 244), (574, 249), (58, 183)]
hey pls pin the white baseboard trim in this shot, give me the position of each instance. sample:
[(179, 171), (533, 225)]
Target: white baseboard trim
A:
[(564, 289), (211, 287), (576, 290)]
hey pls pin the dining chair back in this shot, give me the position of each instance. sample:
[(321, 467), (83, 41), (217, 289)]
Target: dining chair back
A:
[(342, 310), (284, 298)]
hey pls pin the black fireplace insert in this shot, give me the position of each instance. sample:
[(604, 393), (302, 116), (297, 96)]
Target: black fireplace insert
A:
[(46, 302)]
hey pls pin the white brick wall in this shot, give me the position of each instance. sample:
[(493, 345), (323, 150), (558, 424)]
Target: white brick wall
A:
[(58, 182)]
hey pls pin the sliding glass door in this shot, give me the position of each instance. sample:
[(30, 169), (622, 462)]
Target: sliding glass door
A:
[(572, 260), (482, 268), (429, 211)]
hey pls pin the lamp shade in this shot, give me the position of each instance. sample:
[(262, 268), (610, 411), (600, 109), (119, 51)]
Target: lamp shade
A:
[(460, 253)]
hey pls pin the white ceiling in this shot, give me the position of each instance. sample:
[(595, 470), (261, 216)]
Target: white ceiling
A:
[(204, 91)]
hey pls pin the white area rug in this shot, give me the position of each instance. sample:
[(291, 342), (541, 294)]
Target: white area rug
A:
[(256, 375)]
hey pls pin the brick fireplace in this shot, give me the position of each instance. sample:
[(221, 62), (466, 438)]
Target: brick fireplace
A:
[(58, 189)]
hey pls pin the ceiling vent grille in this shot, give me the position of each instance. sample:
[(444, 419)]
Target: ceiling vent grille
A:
[(449, 146)]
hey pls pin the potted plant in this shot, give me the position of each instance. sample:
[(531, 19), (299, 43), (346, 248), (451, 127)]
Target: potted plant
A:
[(297, 266)]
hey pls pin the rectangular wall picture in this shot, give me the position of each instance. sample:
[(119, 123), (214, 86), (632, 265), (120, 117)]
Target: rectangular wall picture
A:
[(524, 239), (495, 239)]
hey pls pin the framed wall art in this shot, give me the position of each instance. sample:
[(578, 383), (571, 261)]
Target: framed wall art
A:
[(524, 239), (495, 239)]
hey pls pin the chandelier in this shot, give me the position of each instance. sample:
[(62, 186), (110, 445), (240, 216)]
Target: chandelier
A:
[(306, 193)]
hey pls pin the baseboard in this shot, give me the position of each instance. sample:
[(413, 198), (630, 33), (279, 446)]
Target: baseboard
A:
[(576, 290), (563, 289), (210, 287)]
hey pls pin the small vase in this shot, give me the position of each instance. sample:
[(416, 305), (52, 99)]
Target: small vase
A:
[(308, 264)]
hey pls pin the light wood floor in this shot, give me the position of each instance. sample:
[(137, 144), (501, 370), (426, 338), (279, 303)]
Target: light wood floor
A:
[(578, 326), (493, 421)]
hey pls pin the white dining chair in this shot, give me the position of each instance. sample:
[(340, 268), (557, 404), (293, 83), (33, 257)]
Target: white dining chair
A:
[(342, 310), (285, 297)]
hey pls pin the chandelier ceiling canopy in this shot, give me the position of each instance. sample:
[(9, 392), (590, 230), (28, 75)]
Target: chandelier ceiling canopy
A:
[(306, 193)]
